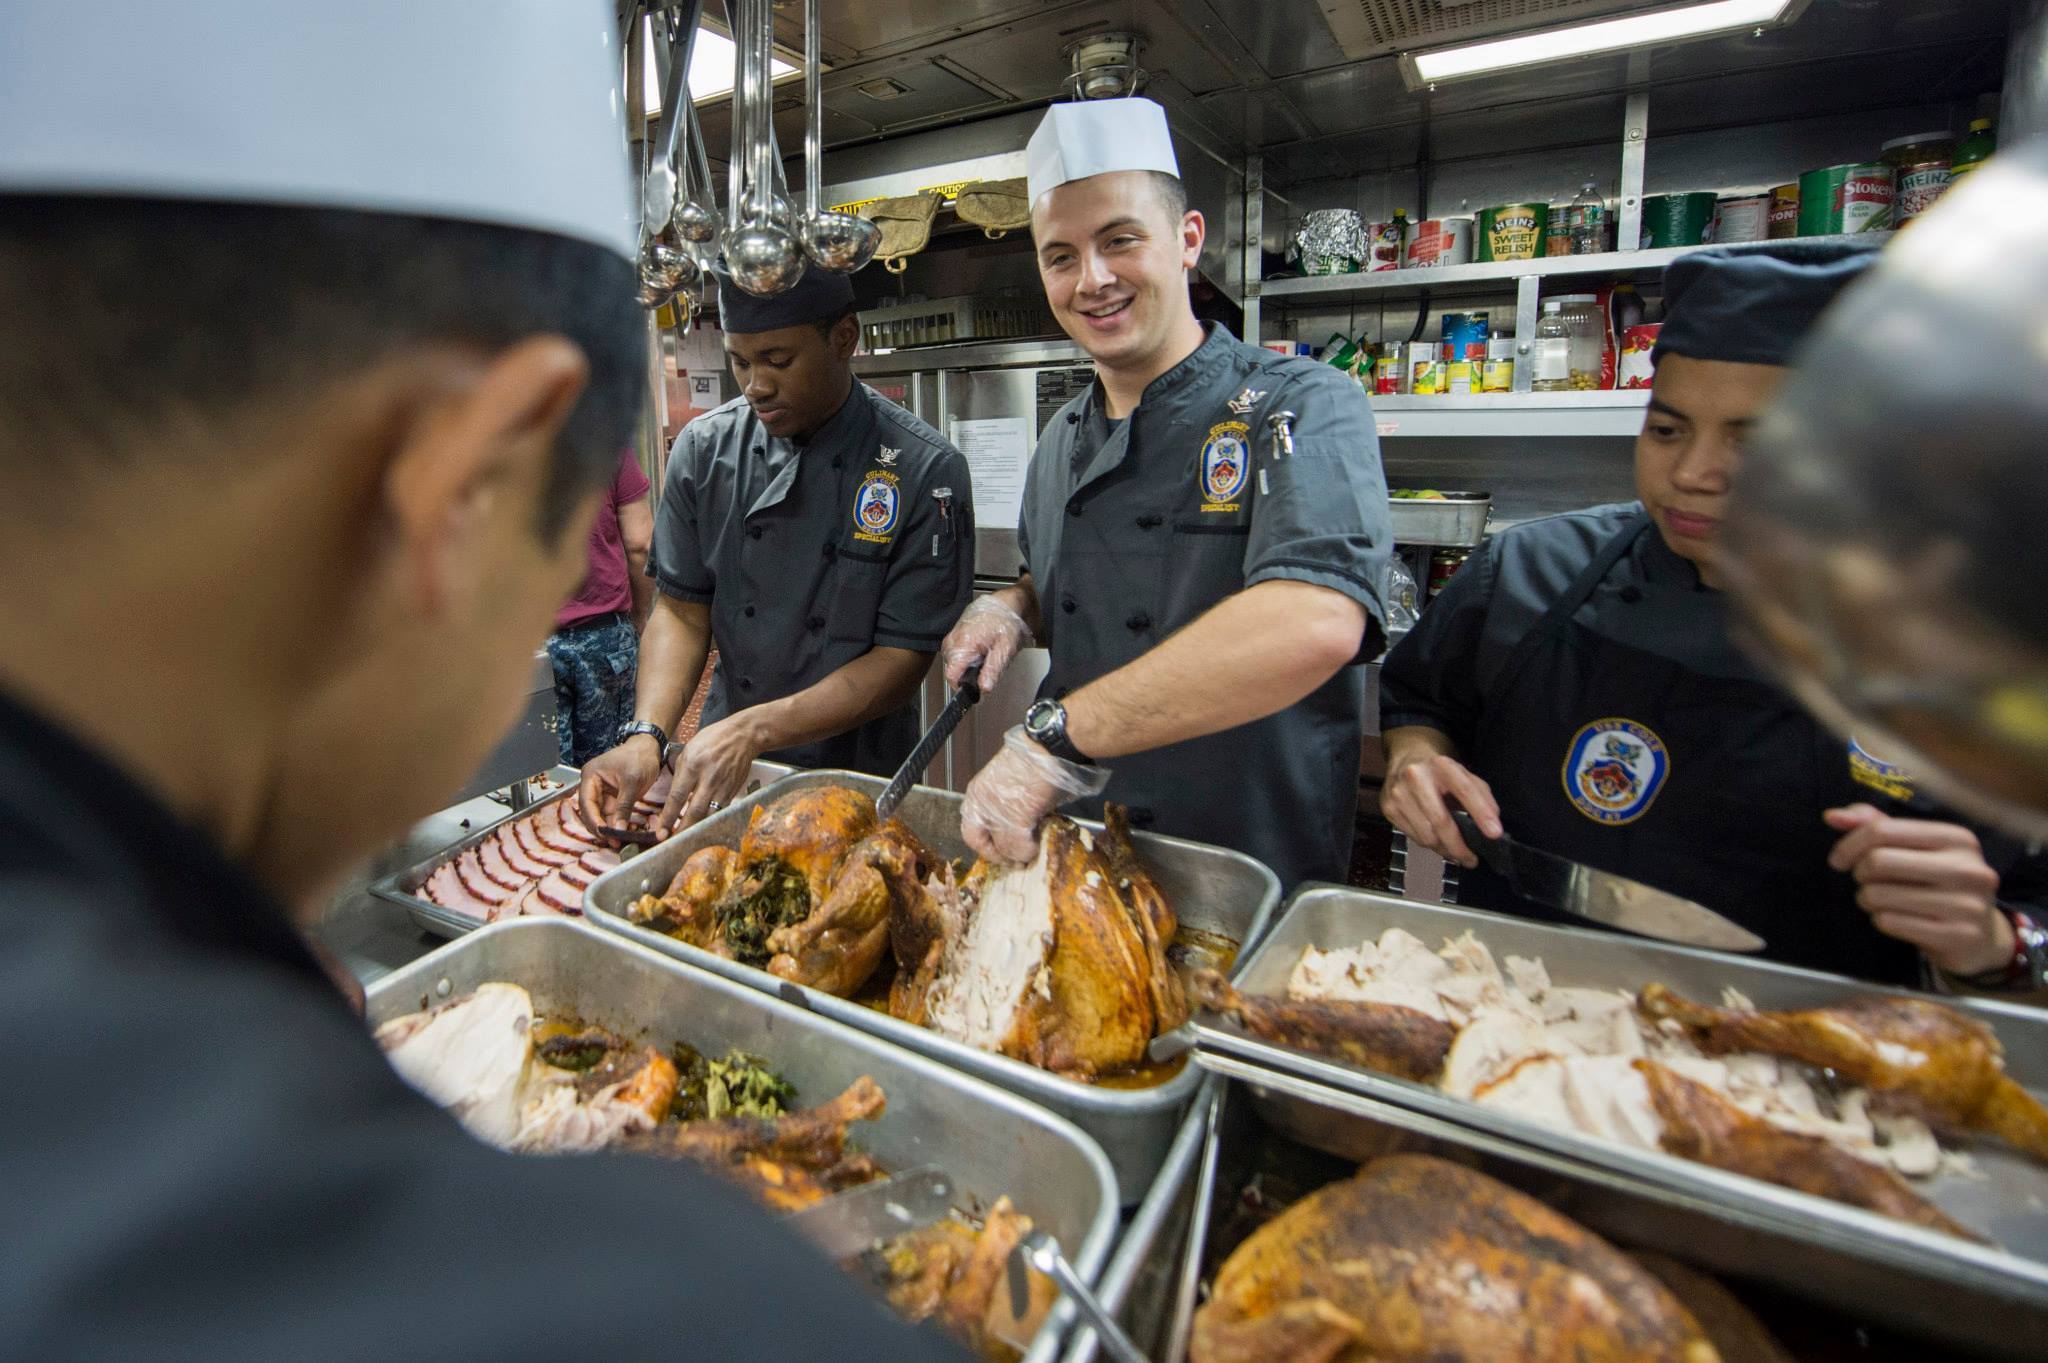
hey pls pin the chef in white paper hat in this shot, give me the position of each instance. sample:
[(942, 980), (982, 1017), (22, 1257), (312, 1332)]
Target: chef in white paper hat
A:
[(317, 344), (1204, 533)]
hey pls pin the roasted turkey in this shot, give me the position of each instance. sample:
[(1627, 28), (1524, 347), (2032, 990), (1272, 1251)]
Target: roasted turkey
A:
[(1388, 1037), (1416, 1258), (1696, 1123), (1060, 963), (1916, 1055), (952, 1272)]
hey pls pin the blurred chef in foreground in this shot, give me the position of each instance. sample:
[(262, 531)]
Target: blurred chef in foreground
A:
[(1205, 586), (1577, 686), (306, 400)]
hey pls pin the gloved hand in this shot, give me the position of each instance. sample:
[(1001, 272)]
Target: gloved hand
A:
[(987, 635), (1022, 784)]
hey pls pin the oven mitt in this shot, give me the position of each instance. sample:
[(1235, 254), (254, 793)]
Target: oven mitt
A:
[(997, 207), (906, 225)]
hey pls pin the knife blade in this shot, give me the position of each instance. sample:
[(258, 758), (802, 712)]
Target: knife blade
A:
[(927, 748), (1602, 896), (846, 1223)]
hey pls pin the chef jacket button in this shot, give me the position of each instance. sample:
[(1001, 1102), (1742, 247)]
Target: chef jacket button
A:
[(749, 612), (1140, 816), (746, 683), (1631, 594), (1073, 418), (1150, 522), (756, 531), (831, 549), (1069, 604), (1074, 509), (837, 461), (1138, 622), (816, 622)]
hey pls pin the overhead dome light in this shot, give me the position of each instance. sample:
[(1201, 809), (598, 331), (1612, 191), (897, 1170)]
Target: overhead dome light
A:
[(1669, 25), (1105, 67)]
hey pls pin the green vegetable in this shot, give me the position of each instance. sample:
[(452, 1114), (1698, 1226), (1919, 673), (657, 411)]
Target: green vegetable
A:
[(774, 895), (577, 1052), (740, 1085)]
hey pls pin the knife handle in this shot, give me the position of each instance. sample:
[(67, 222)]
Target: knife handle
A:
[(1492, 851)]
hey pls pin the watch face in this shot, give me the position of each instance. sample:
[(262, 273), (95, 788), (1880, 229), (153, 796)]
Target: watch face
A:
[(1041, 719)]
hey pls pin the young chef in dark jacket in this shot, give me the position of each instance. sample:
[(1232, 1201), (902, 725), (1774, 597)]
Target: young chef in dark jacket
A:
[(1576, 685), (364, 367), (1204, 597), (822, 536)]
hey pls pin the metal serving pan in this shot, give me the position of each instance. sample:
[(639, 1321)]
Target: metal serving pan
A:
[(1721, 1238), (1140, 1286), (2007, 1198), (402, 887), (1211, 889), (992, 1143), (1452, 520)]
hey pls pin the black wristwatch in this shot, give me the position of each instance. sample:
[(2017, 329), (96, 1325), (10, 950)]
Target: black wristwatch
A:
[(1045, 724), (651, 729)]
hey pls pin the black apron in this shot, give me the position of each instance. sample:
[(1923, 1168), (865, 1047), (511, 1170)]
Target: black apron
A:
[(1708, 787)]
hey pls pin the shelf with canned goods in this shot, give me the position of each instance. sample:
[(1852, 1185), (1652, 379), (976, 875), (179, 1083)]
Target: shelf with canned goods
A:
[(1312, 289), (1604, 412)]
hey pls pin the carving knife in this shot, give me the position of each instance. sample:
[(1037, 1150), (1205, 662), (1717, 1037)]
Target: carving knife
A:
[(927, 748), (847, 1223), (1602, 896)]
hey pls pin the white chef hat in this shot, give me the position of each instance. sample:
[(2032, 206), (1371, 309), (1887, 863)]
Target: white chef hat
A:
[(509, 113), (1095, 137)]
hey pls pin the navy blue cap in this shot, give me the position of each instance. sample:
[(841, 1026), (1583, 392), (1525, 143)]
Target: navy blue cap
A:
[(1752, 305), (817, 296)]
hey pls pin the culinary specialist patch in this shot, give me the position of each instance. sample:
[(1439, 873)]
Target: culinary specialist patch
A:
[(876, 507), (1866, 768), (1226, 464), (1614, 769)]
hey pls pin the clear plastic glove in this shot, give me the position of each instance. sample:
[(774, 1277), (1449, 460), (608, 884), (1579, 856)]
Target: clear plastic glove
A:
[(1008, 798), (987, 635)]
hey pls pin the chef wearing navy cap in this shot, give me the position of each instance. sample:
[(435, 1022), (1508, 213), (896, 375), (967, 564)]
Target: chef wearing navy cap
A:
[(822, 537), (318, 346), (1204, 532), (1576, 685)]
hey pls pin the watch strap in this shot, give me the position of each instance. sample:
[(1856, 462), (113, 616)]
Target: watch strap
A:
[(648, 727), (1053, 737)]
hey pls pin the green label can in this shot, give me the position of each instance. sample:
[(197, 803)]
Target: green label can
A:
[(1854, 198), (1512, 231), (1677, 219)]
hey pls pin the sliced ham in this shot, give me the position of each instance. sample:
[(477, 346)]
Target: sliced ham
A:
[(445, 888), (600, 861), (491, 858), (480, 886), (573, 825), (530, 841), (578, 875), (518, 904), (548, 825), (530, 867), (558, 894)]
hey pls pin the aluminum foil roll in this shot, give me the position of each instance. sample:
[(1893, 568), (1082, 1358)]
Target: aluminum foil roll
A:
[(1331, 241)]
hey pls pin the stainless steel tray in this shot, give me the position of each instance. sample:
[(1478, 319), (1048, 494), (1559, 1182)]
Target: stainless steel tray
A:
[(1141, 1285), (2008, 1200), (1211, 889), (1724, 1238), (1457, 520), (992, 1143), (402, 887)]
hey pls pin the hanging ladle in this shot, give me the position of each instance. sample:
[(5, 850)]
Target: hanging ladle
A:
[(837, 241), (763, 257)]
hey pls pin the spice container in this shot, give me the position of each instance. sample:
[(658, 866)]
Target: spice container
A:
[(1587, 331), (1922, 164), (1552, 355)]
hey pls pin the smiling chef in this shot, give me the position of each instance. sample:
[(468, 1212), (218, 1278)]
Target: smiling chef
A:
[(318, 345), (1206, 583), (1576, 685)]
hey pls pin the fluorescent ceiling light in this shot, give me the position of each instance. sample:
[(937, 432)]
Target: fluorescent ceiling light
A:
[(711, 70), (1586, 40)]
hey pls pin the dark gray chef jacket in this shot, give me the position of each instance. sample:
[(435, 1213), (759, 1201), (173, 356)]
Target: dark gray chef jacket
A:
[(812, 555), (1131, 529), (206, 1157)]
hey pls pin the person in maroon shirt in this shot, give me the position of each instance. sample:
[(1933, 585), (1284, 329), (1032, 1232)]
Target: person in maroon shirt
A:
[(595, 648)]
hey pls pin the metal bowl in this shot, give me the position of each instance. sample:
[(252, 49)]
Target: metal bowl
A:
[(764, 260), (840, 241)]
